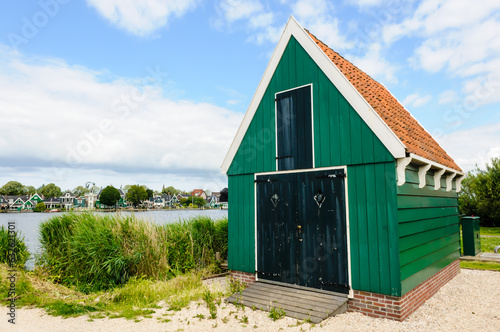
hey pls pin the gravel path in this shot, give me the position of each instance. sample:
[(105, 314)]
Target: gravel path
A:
[(470, 302)]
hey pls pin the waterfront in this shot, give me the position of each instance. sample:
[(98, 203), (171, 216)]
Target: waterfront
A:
[(27, 223)]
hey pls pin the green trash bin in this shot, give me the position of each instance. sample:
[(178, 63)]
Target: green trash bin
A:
[(470, 236)]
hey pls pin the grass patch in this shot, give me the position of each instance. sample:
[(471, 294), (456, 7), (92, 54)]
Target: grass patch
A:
[(488, 244), (137, 298), (276, 313), (490, 231), (478, 265)]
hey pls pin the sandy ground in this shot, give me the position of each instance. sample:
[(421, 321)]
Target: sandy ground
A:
[(470, 302)]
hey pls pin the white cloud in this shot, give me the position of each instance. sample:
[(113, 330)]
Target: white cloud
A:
[(317, 17), (456, 36), (366, 3), (141, 17), (63, 119), (374, 64), (469, 147), (416, 100), (234, 10), (447, 97)]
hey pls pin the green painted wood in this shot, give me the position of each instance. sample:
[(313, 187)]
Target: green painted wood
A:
[(416, 279), (412, 254), (426, 261), (415, 240), (412, 189), (406, 215), (428, 228), (341, 137), (335, 120), (352, 180), (241, 226), (409, 202), (373, 228), (409, 228), (384, 250)]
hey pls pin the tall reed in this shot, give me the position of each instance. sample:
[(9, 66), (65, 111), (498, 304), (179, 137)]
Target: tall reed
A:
[(13, 250), (95, 252)]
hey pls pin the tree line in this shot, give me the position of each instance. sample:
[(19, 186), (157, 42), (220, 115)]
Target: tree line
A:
[(110, 195), (480, 194)]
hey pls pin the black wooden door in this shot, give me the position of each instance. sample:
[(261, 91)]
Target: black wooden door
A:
[(294, 129), (301, 229)]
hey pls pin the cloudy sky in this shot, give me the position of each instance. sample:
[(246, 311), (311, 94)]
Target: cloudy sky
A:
[(152, 92)]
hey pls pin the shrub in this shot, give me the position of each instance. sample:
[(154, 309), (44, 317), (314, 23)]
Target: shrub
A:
[(6, 252)]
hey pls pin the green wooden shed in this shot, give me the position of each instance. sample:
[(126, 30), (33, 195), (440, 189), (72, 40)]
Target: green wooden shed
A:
[(333, 185)]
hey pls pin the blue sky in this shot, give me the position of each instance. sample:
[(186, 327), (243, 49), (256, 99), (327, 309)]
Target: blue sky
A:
[(152, 92)]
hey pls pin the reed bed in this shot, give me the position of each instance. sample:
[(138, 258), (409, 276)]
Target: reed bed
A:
[(97, 252), (13, 250)]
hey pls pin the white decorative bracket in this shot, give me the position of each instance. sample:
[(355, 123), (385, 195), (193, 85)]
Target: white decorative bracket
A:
[(458, 183), (437, 178), (449, 178), (402, 163), (422, 172)]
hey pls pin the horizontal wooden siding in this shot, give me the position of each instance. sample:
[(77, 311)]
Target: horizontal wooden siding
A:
[(429, 233)]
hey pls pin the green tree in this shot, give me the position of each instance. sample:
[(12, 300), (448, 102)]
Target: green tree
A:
[(199, 201), (80, 191), (480, 194), (223, 195), (109, 196), (150, 193), (29, 190), (50, 190), (136, 194), (12, 188), (40, 207), (170, 191)]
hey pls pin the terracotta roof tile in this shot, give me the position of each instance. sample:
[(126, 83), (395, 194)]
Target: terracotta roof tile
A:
[(416, 139)]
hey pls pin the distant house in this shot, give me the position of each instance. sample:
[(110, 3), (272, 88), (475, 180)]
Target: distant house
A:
[(67, 200), (213, 200), (199, 193), (90, 200), (181, 196), (173, 202), (20, 202), (52, 203), (79, 202), (4, 203)]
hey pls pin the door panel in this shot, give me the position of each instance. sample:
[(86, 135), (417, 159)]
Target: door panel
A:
[(276, 260), (294, 129), (301, 229)]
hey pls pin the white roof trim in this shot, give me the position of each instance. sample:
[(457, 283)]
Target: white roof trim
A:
[(353, 97)]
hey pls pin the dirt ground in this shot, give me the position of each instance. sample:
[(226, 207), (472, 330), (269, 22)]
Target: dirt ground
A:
[(470, 302)]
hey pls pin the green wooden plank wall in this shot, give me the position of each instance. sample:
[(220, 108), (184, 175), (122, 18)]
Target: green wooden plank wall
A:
[(341, 137), (241, 226), (429, 233), (373, 228)]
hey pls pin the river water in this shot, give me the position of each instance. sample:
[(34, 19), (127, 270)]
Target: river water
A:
[(27, 223)]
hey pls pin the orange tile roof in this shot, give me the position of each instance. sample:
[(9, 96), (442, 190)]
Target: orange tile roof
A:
[(416, 139)]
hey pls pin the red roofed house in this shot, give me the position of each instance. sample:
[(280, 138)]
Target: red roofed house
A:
[(199, 193), (335, 186)]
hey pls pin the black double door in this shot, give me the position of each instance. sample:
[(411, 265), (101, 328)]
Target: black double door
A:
[(301, 229)]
